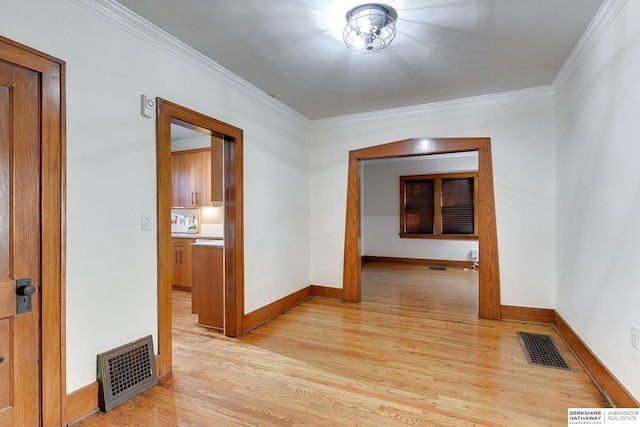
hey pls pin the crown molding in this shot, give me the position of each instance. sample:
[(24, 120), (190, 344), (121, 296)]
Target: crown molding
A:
[(127, 20), (599, 24), (521, 95)]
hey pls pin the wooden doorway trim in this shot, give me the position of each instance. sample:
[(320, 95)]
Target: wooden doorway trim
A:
[(489, 275), (52, 220), (233, 221)]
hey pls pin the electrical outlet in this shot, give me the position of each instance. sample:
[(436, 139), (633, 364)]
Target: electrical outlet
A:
[(635, 338), (146, 221)]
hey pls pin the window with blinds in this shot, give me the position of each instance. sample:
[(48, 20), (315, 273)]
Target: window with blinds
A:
[(457, 206), (419, 206), (438, 206)]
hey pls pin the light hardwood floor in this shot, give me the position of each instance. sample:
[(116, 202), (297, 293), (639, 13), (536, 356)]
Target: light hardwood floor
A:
[(413, 352)]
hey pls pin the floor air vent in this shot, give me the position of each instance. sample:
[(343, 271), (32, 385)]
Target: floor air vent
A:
[(126, 371), (437, 267), (542, 350)]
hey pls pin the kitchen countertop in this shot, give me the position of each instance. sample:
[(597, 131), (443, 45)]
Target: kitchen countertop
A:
[(207, 245), (194, 236)]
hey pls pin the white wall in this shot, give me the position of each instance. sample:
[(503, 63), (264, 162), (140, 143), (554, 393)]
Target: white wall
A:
[(111, 176), (523, 150), (381, 208), (598, 188)]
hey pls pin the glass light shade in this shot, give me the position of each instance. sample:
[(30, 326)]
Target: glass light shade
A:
[(370, 28)]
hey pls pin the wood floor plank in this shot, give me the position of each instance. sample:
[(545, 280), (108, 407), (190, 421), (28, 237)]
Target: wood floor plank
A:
[(413, 352)]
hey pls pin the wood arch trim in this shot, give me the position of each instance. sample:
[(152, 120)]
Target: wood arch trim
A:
[(233, 224), (52, 219), (489, 276)]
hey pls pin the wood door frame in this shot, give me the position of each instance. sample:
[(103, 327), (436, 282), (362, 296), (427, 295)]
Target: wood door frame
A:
[(233, 220), (53, 219), (489, 273)]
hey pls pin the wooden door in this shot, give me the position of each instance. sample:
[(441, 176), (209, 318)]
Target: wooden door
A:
[(19, 245)]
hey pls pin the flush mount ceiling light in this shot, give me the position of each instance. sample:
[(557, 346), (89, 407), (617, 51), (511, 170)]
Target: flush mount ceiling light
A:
[(370, 27)]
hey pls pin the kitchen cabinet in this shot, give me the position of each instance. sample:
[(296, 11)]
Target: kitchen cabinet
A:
[(207, 291), (191, 177), (181, 267), (217, 176)]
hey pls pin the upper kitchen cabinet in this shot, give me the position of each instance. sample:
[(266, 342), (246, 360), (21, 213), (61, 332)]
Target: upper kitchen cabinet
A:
[(191, 177), (217, 177)]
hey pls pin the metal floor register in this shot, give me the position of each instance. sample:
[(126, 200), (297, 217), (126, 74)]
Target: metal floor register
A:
[(540, 349)]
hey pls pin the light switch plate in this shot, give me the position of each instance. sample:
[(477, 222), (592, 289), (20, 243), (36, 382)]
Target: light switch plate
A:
[(146, 221), (635, 338)]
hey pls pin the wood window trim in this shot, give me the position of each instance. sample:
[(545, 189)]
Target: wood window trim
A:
[(438, 178)]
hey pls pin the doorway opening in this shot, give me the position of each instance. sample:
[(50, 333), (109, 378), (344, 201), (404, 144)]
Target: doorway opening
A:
[(439, 274), (488, 274), (232, 159)]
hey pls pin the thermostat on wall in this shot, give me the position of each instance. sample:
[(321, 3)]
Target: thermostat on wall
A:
[(148, 106)]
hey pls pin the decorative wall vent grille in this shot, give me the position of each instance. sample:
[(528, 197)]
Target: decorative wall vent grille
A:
[(540, 349), (125, 372), (438, 267)]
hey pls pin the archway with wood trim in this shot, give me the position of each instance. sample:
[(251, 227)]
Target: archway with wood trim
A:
[(489, 277)]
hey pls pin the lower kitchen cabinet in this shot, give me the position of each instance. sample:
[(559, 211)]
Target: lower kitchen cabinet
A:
[(207, 290), (181, 267)]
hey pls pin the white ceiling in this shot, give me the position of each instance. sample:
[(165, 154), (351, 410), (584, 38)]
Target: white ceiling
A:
[(444, 49), (180, 132)]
